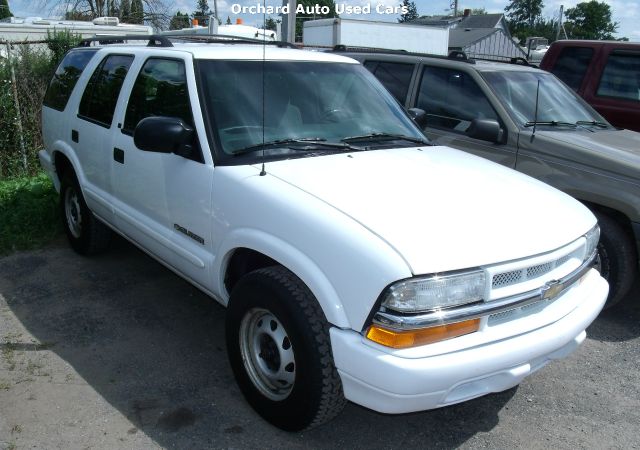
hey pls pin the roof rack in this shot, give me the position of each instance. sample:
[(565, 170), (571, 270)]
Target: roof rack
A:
[(455, 54), (158, 40)]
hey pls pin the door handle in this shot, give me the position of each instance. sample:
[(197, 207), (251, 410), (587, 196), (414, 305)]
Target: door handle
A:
[(118, 155)]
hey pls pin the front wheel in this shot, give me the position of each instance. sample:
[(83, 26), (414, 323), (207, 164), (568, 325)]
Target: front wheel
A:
[(279, 348), (616, 259)]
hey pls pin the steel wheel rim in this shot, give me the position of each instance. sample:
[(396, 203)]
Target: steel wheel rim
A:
[(267, 354), (72, 212)]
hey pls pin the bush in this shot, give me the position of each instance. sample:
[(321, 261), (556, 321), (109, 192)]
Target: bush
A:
[(29, 213), (33, 66)]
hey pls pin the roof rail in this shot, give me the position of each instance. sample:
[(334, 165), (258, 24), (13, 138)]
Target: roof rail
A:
[(158, 40), (455, 54), (154, 40)]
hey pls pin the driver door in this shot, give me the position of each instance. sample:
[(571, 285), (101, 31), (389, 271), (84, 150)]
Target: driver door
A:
[(163, 201)]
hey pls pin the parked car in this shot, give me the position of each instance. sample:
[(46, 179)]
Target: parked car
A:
[(605, 73), (356, 260), (490, 109)]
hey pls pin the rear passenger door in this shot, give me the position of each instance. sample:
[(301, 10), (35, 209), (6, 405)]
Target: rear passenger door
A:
[(91, 130), (162, 200), (452, 99)]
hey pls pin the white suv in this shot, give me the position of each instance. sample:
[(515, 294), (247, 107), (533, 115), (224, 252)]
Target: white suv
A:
[(356, 260)]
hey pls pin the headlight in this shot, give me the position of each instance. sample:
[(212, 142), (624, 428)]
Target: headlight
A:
[(434, 292), (593, 237)]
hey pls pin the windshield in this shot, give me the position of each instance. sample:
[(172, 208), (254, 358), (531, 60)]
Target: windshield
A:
[(340, 105), (556, 104)]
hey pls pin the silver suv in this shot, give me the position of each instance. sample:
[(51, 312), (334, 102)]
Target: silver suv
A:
[(527, 119)]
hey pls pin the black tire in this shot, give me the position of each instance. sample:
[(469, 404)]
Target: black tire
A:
[(616, 260), (315, 395), (87, 234)]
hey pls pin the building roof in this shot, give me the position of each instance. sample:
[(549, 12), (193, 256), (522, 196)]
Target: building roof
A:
[(436, 21), (481, 21), (462, 37)]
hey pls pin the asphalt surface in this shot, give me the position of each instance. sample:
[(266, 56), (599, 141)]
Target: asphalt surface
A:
[(116, 351)]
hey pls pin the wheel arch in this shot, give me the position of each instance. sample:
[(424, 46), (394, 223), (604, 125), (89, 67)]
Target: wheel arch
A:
[(249, 249)]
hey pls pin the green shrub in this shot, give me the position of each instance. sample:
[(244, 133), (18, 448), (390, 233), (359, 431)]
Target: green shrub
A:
[(29, 213)]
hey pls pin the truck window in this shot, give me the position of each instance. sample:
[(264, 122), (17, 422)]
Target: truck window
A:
[(571, 65), (99, 99), (452, 99), (66, 77), (394, 76), (159, 90), (621, 76)]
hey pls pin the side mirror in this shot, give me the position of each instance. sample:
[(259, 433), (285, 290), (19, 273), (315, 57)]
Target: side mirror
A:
[(164, 135), (419, 116), (485, 130)]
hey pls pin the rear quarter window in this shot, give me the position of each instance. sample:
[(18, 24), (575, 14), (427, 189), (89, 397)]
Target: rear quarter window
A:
[(621, 76), (66, 77)]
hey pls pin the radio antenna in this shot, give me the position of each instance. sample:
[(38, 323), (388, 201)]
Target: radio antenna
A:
[(535, 114), (263, 172)]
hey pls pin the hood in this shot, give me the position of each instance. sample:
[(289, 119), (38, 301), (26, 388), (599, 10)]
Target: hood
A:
[(439, 208), (617, 151)]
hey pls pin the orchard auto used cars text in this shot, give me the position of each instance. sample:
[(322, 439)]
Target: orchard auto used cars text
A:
[(340, 8)]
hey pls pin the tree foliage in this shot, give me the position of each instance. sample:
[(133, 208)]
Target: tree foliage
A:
[(523, 13), (179, 21), (202, 12), (137, 12), (4, 9), (270, 24), (590, 20), (154, 12), (412, 11)]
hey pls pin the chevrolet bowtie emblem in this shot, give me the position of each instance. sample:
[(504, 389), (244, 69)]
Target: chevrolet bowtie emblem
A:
[(551, 289)]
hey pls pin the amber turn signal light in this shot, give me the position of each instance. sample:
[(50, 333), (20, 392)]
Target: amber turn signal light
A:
[(422, 336)]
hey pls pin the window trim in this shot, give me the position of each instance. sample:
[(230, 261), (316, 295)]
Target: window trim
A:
[(100, 65)]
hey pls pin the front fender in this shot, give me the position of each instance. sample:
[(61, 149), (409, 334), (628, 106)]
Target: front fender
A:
[(290, 257)]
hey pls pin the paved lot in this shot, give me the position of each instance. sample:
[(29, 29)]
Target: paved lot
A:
[(117, 352)]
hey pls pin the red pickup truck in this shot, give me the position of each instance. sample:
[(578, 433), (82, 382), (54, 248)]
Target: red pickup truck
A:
[(605, 73)]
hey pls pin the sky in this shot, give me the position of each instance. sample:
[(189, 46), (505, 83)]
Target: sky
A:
[(625, 12)]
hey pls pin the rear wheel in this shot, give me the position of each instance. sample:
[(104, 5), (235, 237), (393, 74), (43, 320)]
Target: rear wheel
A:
[(279, 348), (616, 259), (86, 234)]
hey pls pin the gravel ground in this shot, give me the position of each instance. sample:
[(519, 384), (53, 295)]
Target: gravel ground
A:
[(117, 352)]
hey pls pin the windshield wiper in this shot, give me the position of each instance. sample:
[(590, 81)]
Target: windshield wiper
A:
[(595, 123), (553, 123), (307, 142), (388, 136)]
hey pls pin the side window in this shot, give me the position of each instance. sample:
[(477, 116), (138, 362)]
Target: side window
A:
[(394, 76), (571, 65), (452, 99), (66, 77), (621, 76), (99, 99), (159, 90)]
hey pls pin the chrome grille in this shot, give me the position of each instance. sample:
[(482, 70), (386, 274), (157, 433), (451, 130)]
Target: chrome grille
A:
[(512, 277)]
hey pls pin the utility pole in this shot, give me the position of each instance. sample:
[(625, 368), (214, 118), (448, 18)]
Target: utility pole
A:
[(454, 5), (560, 26), (289, 22)]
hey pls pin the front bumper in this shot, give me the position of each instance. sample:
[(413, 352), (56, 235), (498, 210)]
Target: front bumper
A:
[(382, 380)]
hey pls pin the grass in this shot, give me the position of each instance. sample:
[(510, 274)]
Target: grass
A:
[(29, 213)]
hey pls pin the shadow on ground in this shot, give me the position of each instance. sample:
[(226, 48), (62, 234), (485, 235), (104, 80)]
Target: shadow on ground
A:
[(153, 346)]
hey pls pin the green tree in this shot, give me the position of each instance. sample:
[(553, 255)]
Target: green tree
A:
[(137, 12), (125, 11), (202, 13), (523, 13), (4, 9), (114, 9), (179, 21), (590, 20), (412, 11), (270, 24), (479, 12)]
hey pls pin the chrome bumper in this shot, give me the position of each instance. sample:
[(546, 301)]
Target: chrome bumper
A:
[(549, 291)]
